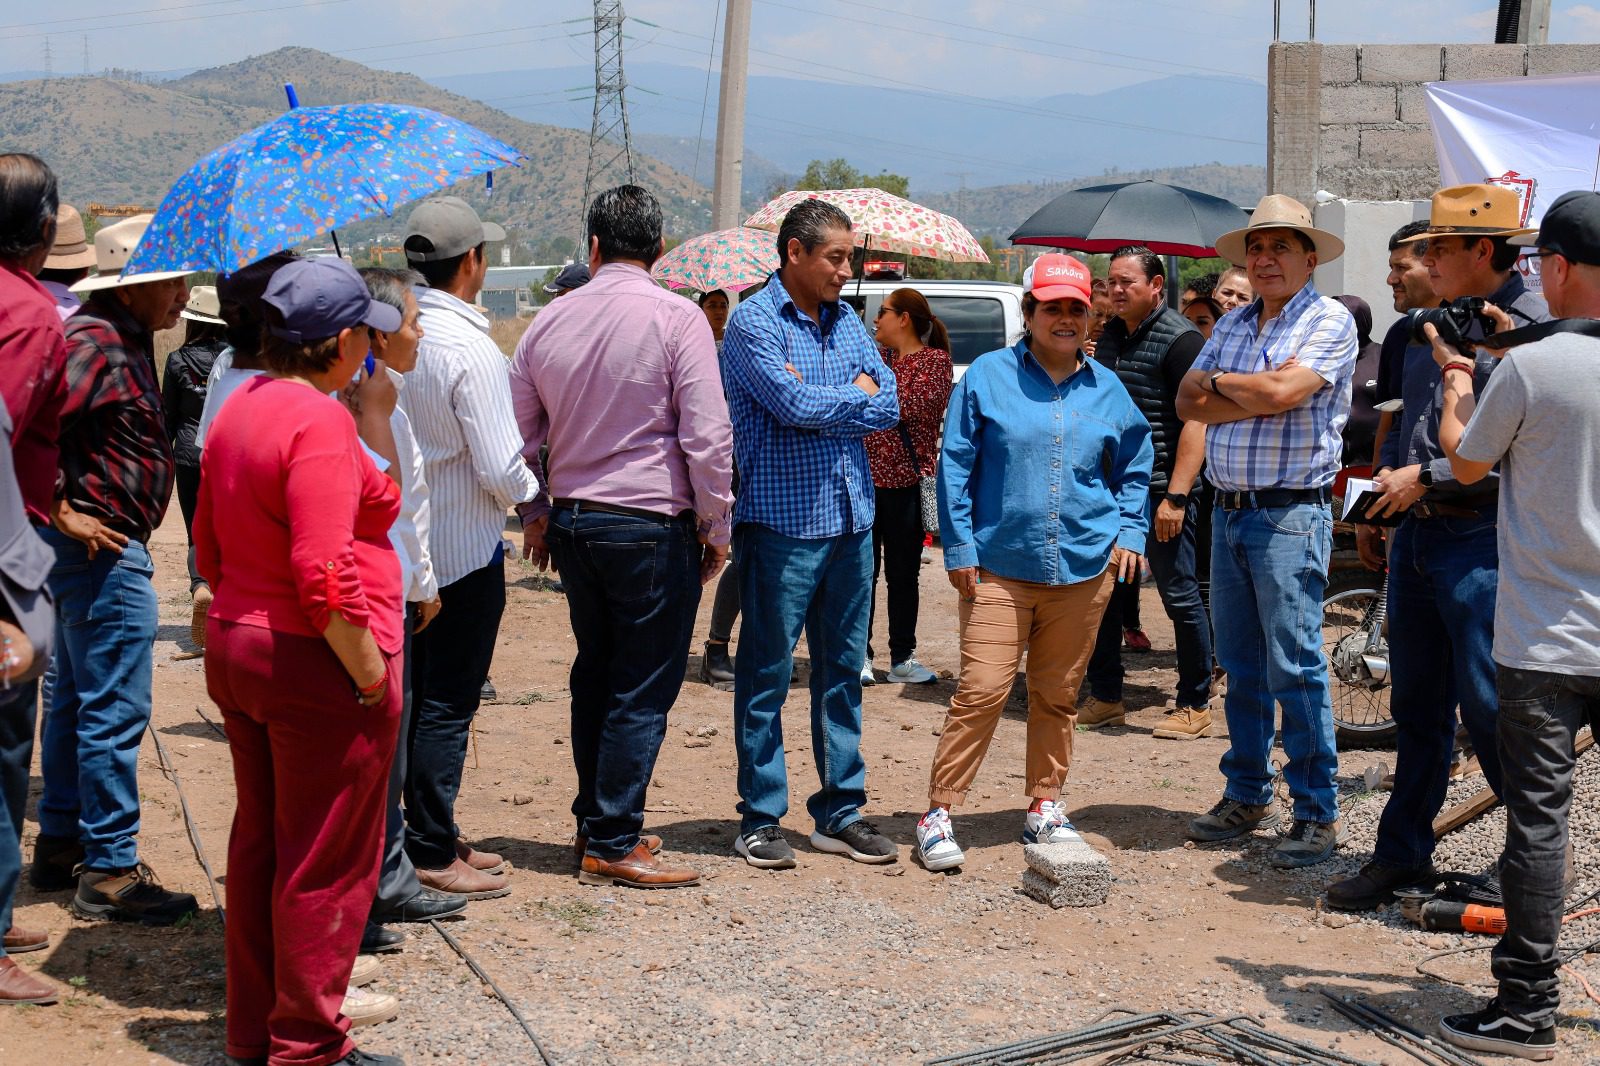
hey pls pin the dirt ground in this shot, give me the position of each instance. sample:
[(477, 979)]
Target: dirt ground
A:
[(831, 962)]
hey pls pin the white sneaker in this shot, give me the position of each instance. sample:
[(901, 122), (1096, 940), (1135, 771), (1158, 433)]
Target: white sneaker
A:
[(936, 842), (911, 672), (366, 1007), (867, 676), (1049, 825)]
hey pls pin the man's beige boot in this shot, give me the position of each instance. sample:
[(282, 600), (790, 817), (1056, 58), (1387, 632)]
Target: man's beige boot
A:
[(1097, 714), (1184, 723)]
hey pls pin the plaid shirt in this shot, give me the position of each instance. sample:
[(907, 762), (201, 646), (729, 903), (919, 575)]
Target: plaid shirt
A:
[(116, 459), (802, 465), (1300, 448)]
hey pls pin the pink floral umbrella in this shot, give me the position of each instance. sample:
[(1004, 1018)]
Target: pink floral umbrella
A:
[(730, 259), (886, 222)]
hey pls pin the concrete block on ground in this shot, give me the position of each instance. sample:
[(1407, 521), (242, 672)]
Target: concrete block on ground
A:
[(1358, 103), (1563, 58), (1401, 64), (1464, 62), (1339, 63), (1411, 146), (1066, 875)]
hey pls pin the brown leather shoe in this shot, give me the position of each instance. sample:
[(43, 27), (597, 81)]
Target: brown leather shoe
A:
[(487, 861), (637, 869), (463, 880), (19, 940), (580, 844), (18, 986)]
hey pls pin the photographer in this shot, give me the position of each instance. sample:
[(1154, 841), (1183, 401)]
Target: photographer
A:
[(1442, 559), (1539, 419)]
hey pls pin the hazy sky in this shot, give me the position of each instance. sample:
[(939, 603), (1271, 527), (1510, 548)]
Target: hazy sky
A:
[(994, 48)]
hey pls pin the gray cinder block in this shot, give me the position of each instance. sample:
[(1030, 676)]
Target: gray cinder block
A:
[(1066, 875)]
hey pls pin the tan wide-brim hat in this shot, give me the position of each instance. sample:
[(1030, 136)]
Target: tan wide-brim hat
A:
[(1474, 211), (71, 250), (112, 247), (1279, 212), (203, 306)]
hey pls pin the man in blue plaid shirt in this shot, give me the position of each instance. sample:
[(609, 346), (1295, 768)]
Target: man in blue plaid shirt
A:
[(805, 384), (1273, 383)]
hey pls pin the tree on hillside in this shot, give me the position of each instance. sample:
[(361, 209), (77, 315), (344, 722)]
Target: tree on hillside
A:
[(839, 174)]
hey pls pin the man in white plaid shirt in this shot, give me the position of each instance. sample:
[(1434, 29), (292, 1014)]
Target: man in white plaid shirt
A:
[(1273, 383)]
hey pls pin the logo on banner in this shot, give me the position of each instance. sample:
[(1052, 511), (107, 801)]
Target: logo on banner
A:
[(1527, 265)]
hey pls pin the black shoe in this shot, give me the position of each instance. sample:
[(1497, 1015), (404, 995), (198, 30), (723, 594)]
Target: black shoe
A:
[(377, 940), (54, 859), (487, 694), (131, 895), (357, 1057), (860, 840), (765, 849), (1375, 885), (716, 666), (1493, 1030), (426, 905)]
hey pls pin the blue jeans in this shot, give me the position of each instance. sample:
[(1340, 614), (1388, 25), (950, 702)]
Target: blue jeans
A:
[(18, 708), (1269, 571), (822, 586), (633, 587), (1442, 574), (1540, 715), (1172, 564), (106, 617)]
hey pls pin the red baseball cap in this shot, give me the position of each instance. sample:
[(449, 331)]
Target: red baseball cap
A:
[(1059, 277)]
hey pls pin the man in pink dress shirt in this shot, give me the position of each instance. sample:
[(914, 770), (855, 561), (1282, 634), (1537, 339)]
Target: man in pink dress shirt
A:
[(620, 378)]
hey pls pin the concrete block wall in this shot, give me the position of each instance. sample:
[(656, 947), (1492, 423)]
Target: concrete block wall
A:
[(1351, 119)]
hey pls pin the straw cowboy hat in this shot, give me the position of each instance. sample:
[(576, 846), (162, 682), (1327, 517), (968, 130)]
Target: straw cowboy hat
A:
[(112, 247), (71, 250), (1474, 211), (203, 306), (1279, 212)]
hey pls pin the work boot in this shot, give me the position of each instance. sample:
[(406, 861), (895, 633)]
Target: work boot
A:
[(1096, 713), (1230, 818), (637, 869), (463, 880), (1307, 844), (18, 986), (130, 895), (716, 665), (1375, 885), (487, 861), (18, 941), (1185, 723), (54, 860)]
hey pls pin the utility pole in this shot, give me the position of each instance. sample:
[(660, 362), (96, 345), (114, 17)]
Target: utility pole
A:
[(1523, 22), (86, 54), (728, 186), (609, 139), (49, 65)]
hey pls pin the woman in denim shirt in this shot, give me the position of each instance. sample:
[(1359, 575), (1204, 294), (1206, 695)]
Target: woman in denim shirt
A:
[(1044, 482)]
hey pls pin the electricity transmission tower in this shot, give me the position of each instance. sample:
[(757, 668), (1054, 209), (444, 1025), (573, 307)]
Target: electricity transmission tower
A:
[(609, 140)]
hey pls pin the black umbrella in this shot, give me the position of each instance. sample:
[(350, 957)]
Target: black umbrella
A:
[(1168, 219)]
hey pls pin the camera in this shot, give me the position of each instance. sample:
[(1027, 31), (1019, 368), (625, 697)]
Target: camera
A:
[(1453, 321)]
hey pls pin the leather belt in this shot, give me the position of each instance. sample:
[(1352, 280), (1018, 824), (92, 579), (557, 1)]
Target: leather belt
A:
[(580, 506), (1468, 508), (1241, 501)]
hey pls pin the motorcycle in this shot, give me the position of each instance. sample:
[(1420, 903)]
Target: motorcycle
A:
[(1355, 636)]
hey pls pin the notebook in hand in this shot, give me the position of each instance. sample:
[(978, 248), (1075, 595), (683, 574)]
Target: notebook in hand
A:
[(1359, 496)]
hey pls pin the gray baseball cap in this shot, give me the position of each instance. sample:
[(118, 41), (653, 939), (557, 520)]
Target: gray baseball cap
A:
[(317, 298), (445, 227)]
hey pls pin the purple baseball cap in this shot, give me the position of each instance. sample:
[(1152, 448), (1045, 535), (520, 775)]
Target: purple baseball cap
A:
[(316, 298)]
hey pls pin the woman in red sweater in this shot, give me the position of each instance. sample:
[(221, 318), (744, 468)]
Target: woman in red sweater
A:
[(303, 647)]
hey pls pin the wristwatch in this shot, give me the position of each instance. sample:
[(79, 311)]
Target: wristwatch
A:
[(1212, 381), (1177, 499), (1425, 477)]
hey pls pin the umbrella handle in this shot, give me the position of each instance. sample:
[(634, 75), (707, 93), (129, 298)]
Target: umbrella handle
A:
[(294, 102), (866, 246)]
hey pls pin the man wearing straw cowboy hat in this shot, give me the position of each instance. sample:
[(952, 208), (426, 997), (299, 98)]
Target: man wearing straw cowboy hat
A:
[(68, 262), (1273, 382), (1443, 557), (112, 488)]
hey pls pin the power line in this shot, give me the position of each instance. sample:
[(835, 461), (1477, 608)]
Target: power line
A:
[(189, 18), (705, 98), (119, 14)]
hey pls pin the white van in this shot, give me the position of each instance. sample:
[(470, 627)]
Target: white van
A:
[(979, 315)]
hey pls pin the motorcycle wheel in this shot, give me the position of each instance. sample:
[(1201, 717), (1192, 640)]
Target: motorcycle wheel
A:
[(1360, 713)]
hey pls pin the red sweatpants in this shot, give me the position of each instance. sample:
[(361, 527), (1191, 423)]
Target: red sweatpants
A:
[(311, 768)]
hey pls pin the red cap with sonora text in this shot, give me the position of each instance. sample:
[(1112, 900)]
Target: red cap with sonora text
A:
[(1060, 277)]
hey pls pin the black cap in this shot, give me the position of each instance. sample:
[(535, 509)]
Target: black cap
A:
[(572, 276), (1571, 227)]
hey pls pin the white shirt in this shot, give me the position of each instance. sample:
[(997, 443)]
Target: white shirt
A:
[(220, 384), (459, 402), (409, 534)]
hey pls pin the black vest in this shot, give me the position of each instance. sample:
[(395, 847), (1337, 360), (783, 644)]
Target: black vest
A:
[(1137, 359)]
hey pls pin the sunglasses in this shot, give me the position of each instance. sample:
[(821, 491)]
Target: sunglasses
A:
[(885, 309)]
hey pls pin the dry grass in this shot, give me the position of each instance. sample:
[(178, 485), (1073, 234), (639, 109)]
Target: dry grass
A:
[(506, 332)]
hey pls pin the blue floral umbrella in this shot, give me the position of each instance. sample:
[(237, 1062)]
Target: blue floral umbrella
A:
[(305, 173)]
